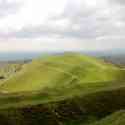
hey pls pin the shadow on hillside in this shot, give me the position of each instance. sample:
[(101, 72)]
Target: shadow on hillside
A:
[(96, 105)]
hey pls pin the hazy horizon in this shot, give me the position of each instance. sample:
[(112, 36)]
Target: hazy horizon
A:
[(25, 55)]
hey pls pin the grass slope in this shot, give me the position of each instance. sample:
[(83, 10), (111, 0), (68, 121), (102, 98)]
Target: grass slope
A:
[(55, 78), (7, 70), (60, 70), (60, 89), (117, 118)]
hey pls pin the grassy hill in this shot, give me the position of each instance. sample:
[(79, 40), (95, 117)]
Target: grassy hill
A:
[(64, 89), (8, 69), (59, 71), (117, 118)]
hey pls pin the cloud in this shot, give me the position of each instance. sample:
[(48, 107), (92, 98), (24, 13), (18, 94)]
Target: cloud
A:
[(88, 24), (79, 19), (8, 7), (74, 22), (121, 2)]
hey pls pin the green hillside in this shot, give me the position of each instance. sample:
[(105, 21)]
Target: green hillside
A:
[(8, 69), (53, 78), (60, 71), (68, 89), (117, 118)]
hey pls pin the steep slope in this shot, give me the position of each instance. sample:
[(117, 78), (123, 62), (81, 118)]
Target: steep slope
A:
[(8, 69), (63, 89), (61, 71)]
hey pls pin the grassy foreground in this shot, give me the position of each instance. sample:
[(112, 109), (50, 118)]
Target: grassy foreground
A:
[(69, 89), (117, 118)]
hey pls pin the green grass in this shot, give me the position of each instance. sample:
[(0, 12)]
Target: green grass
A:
[(65, 83), (55, 78), (8, 70), (59, 70), (117, 118)]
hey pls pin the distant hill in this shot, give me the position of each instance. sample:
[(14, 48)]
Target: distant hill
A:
[(17, 56)]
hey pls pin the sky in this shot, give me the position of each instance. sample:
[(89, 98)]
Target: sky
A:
[(61, 25)]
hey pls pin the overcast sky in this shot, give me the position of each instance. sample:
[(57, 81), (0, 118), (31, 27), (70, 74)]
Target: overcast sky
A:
[(58, 25)]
